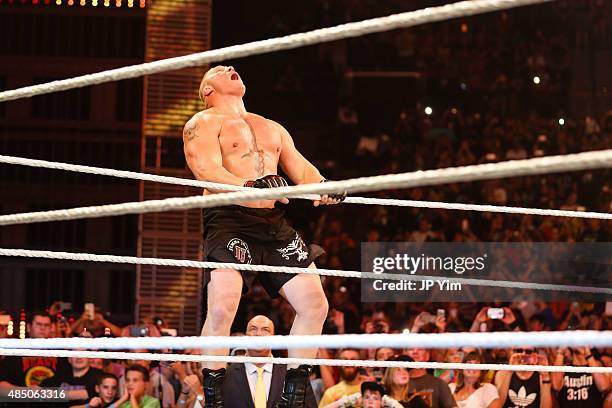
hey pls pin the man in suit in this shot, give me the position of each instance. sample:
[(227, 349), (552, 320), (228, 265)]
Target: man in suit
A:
[(258, 385)]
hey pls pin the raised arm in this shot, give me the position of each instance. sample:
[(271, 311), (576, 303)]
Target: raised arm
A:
[(299, 170), (203, 152)]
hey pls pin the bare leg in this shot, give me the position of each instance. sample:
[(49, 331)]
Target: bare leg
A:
[(224, 290), (305, 294)]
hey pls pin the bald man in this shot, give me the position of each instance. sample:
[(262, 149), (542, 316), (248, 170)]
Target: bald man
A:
[(226, 144), (240, 388)]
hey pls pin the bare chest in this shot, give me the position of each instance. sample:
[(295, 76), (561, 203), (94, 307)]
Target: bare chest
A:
[(252, 136)]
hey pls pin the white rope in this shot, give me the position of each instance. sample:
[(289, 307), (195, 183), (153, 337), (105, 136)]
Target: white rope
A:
[(288, 269), (375, 25), (513, 168), (349, 200), (297, 361), (361, 341)]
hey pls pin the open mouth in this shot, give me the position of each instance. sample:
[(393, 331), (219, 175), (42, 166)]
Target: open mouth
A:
[(234, 77)]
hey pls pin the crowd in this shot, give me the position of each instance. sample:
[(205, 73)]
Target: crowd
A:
[(143, 383)]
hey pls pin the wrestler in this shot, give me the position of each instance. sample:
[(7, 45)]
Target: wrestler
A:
[(226, 144)]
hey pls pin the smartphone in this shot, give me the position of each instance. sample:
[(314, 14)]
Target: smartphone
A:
[(90, 310), (62, 306), (5, 320), (495, 313), (441, 313), (139, 331)]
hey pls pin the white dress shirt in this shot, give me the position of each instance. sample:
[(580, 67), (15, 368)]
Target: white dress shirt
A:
[(251, 373)]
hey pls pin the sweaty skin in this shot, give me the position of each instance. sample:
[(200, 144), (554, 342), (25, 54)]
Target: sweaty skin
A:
[(226, 144)]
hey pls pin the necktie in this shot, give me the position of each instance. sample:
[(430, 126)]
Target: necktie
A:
[(260, 390)]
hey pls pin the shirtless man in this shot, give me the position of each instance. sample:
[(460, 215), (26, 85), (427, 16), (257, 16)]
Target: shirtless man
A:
[(226, 144)]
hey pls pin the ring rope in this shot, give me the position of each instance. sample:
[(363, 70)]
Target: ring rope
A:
[(349, 200), (287, 269), (512, 168), (356, 29), (298, 361), (485, 340)]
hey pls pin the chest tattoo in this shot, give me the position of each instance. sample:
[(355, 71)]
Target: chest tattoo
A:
[(255, 151)]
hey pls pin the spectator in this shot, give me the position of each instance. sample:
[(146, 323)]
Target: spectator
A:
[(434, 391), (134, 393), (106, 390), (97, 326), (578, 390), (265, 381), (397, 382), (372, 395), (471, 390), (29, 371), (524, 388), (157, 384), (79, 381), (349, 379)]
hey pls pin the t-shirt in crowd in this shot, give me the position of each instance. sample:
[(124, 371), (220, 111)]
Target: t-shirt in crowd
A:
[(524, 393), (68, 382), (27, 371), (579, 391), (481, 398), (434, 391)]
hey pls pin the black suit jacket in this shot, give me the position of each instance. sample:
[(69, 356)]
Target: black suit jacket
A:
[(237, 393)]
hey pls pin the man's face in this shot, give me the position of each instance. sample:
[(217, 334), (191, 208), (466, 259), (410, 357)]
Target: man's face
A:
[(145, 363), (383, 354), (420, 355), (107, 390), (260, 326), (97, 363), (371, 399), (40, 328), (349, 374), (135, 383), (223, 80), (78, 363)]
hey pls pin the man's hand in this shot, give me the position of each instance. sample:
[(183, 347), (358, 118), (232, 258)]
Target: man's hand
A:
[(192, 383), (331, 198), (269, 181)]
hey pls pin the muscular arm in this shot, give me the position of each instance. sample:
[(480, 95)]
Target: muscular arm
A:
[(203, 152), (299, 170)]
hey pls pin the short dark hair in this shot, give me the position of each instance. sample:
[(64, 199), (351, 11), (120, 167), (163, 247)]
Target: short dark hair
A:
[(41, 313), (140, 369), (104, 376), (538, 317), (372, 386)]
